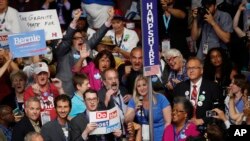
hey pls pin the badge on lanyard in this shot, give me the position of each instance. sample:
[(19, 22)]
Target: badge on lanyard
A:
[(205, 48)]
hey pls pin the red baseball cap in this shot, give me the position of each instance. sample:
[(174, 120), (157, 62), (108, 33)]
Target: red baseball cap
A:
[(118, 14)]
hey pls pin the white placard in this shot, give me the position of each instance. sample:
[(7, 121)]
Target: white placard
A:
[(107, 121), (41, 19)]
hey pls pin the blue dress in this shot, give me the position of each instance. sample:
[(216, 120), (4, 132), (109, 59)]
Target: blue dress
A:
[(159, 122)]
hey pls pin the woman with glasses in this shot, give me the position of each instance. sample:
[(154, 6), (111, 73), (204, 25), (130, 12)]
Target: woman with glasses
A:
[(138, 109), (177, 72), (180, 128)]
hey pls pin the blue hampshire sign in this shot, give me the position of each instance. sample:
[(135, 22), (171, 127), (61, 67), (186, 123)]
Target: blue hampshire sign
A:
[(150, 41)]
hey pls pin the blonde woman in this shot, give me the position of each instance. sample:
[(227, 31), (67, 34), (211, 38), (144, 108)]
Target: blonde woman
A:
[(138, 109)]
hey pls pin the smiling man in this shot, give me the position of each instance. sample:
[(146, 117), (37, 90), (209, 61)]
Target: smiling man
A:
[(203, 94), (30, 122), (58, 130)]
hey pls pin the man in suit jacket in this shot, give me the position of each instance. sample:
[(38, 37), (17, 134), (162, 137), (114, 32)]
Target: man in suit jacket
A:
[(208, 94), (80, 125), (58, 130), (112, 94), (67, 52), (28, 123)]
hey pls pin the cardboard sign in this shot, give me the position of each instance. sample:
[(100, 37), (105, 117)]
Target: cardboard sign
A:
[(42, 19), (107, 121), (27, 44)]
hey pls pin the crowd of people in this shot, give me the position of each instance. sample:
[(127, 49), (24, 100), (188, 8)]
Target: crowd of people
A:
[(98, 65)]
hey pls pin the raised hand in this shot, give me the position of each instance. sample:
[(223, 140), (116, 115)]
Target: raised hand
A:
[(111, 13), (84, 52), (77, 13)]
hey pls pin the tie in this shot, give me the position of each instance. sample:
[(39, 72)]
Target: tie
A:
[(193, 98)]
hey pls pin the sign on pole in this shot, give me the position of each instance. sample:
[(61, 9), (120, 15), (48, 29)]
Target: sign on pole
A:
[(150, 40)]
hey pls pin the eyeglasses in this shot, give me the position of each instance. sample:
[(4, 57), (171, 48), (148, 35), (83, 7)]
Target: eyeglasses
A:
[(171, 59), (193, 68), (91, 99), (177, 111)]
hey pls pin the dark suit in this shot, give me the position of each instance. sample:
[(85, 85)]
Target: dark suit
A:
[(102, 95), (22, 128), (78, 125), (52, 131), (209, 89)]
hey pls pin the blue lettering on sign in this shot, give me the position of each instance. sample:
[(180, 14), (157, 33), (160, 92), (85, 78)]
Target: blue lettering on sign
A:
[(103, 123), (113, 127)]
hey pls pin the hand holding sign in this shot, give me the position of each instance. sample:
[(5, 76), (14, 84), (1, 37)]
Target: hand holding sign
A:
[(90, 127), (7, 55)]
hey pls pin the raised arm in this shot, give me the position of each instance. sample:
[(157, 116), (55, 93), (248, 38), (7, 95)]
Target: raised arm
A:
[(195, 30), (223, 35), (237, 29), (65, 45), (97, 37)]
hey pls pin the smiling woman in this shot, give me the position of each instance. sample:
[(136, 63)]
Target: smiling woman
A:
[(138, 109), (180, 128), (177, 64)]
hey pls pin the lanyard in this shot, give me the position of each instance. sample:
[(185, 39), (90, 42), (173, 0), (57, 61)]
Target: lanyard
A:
[(166, 21), (120, 43), (120, 103), (120, 107), (182, 131)]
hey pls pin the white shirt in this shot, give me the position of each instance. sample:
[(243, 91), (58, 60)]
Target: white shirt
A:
[(128, 41), (198, 86)]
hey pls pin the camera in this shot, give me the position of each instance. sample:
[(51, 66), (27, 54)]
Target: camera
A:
[(211, 113), (201, 12)]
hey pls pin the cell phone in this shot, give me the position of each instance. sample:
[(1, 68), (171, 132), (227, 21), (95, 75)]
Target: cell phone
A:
[(211, 113)]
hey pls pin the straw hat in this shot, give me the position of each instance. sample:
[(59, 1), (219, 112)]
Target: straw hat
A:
[(106, 40)]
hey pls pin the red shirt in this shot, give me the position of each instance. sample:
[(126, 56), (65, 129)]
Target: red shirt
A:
[(46, 99)]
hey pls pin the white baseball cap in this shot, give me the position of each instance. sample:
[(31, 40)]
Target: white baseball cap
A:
[(41, 67)]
